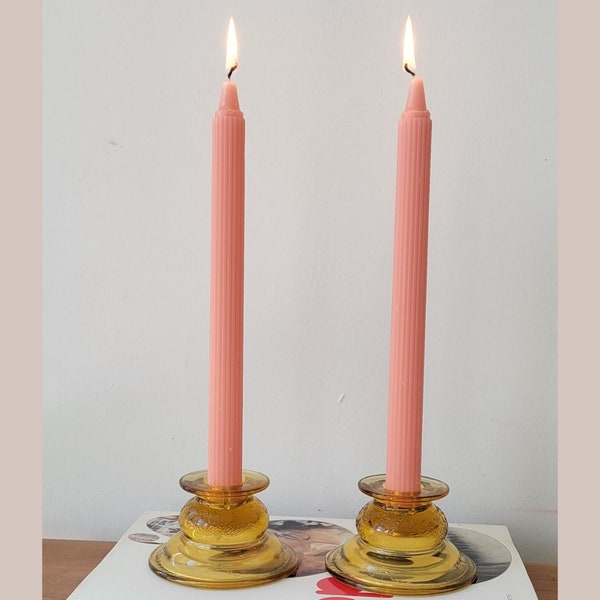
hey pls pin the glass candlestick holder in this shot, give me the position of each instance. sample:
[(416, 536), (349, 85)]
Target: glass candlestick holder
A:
[(401, 547), (224, 541)]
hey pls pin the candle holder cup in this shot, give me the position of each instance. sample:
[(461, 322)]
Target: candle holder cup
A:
[(224, 541), (401, 546)]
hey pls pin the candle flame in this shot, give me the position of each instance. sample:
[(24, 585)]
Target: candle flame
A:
[(409, 48), (231, 62)]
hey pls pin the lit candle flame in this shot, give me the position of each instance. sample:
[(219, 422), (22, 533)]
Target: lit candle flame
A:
[(409, 48), (231, 62)]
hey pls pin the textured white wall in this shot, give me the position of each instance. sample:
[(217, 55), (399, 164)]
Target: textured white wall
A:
[(129, 93)]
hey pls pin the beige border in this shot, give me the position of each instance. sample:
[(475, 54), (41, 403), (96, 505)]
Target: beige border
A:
[(578, 295), (20, 305)]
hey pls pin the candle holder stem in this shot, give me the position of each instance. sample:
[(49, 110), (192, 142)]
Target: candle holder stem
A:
[(224, 542), (401, 546)]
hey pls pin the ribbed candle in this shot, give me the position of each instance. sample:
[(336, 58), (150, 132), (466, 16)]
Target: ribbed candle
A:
[(407, 339), (225, 421)]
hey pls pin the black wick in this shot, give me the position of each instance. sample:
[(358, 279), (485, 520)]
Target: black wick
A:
[(408, 70), (231, 71)]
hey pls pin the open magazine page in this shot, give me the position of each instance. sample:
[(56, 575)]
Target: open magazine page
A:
[(124, 573)]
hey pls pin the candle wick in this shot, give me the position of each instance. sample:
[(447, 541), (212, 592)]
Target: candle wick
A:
[(407, 69), (231, 71)]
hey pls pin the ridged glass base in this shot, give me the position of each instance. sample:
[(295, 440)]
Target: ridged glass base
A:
[(401, 546), (224, 542)]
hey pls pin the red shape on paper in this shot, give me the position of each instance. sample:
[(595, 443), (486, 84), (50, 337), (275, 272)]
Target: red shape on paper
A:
[(330, 585)]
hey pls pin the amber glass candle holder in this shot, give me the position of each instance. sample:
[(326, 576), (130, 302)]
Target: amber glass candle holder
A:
[(224, 541), (401, 547)]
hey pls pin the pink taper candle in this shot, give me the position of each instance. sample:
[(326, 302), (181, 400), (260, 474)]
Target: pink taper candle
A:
[(407, 339), (226, 286)]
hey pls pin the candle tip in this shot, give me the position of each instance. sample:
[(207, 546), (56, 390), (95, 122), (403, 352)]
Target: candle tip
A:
[(416, 95)]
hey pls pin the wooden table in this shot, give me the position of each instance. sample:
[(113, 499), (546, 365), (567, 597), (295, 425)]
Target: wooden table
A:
[(65, 563)]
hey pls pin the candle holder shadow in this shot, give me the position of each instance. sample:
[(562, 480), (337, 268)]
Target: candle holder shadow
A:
[(401, 546), (223, 542)]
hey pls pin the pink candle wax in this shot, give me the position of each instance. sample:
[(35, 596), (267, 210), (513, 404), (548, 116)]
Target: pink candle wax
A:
[(226, 292), (407, 339)]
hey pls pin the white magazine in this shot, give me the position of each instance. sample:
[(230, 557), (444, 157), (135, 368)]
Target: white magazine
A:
[(124, 573)]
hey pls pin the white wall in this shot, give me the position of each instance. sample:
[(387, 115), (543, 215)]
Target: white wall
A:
[(129, 93)]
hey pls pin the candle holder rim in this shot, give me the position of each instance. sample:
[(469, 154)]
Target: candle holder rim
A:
[(430, 491), (197, 483)]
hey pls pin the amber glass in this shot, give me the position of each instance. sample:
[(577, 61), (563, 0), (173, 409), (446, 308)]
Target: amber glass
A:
[(224, 541), (401, 546)]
